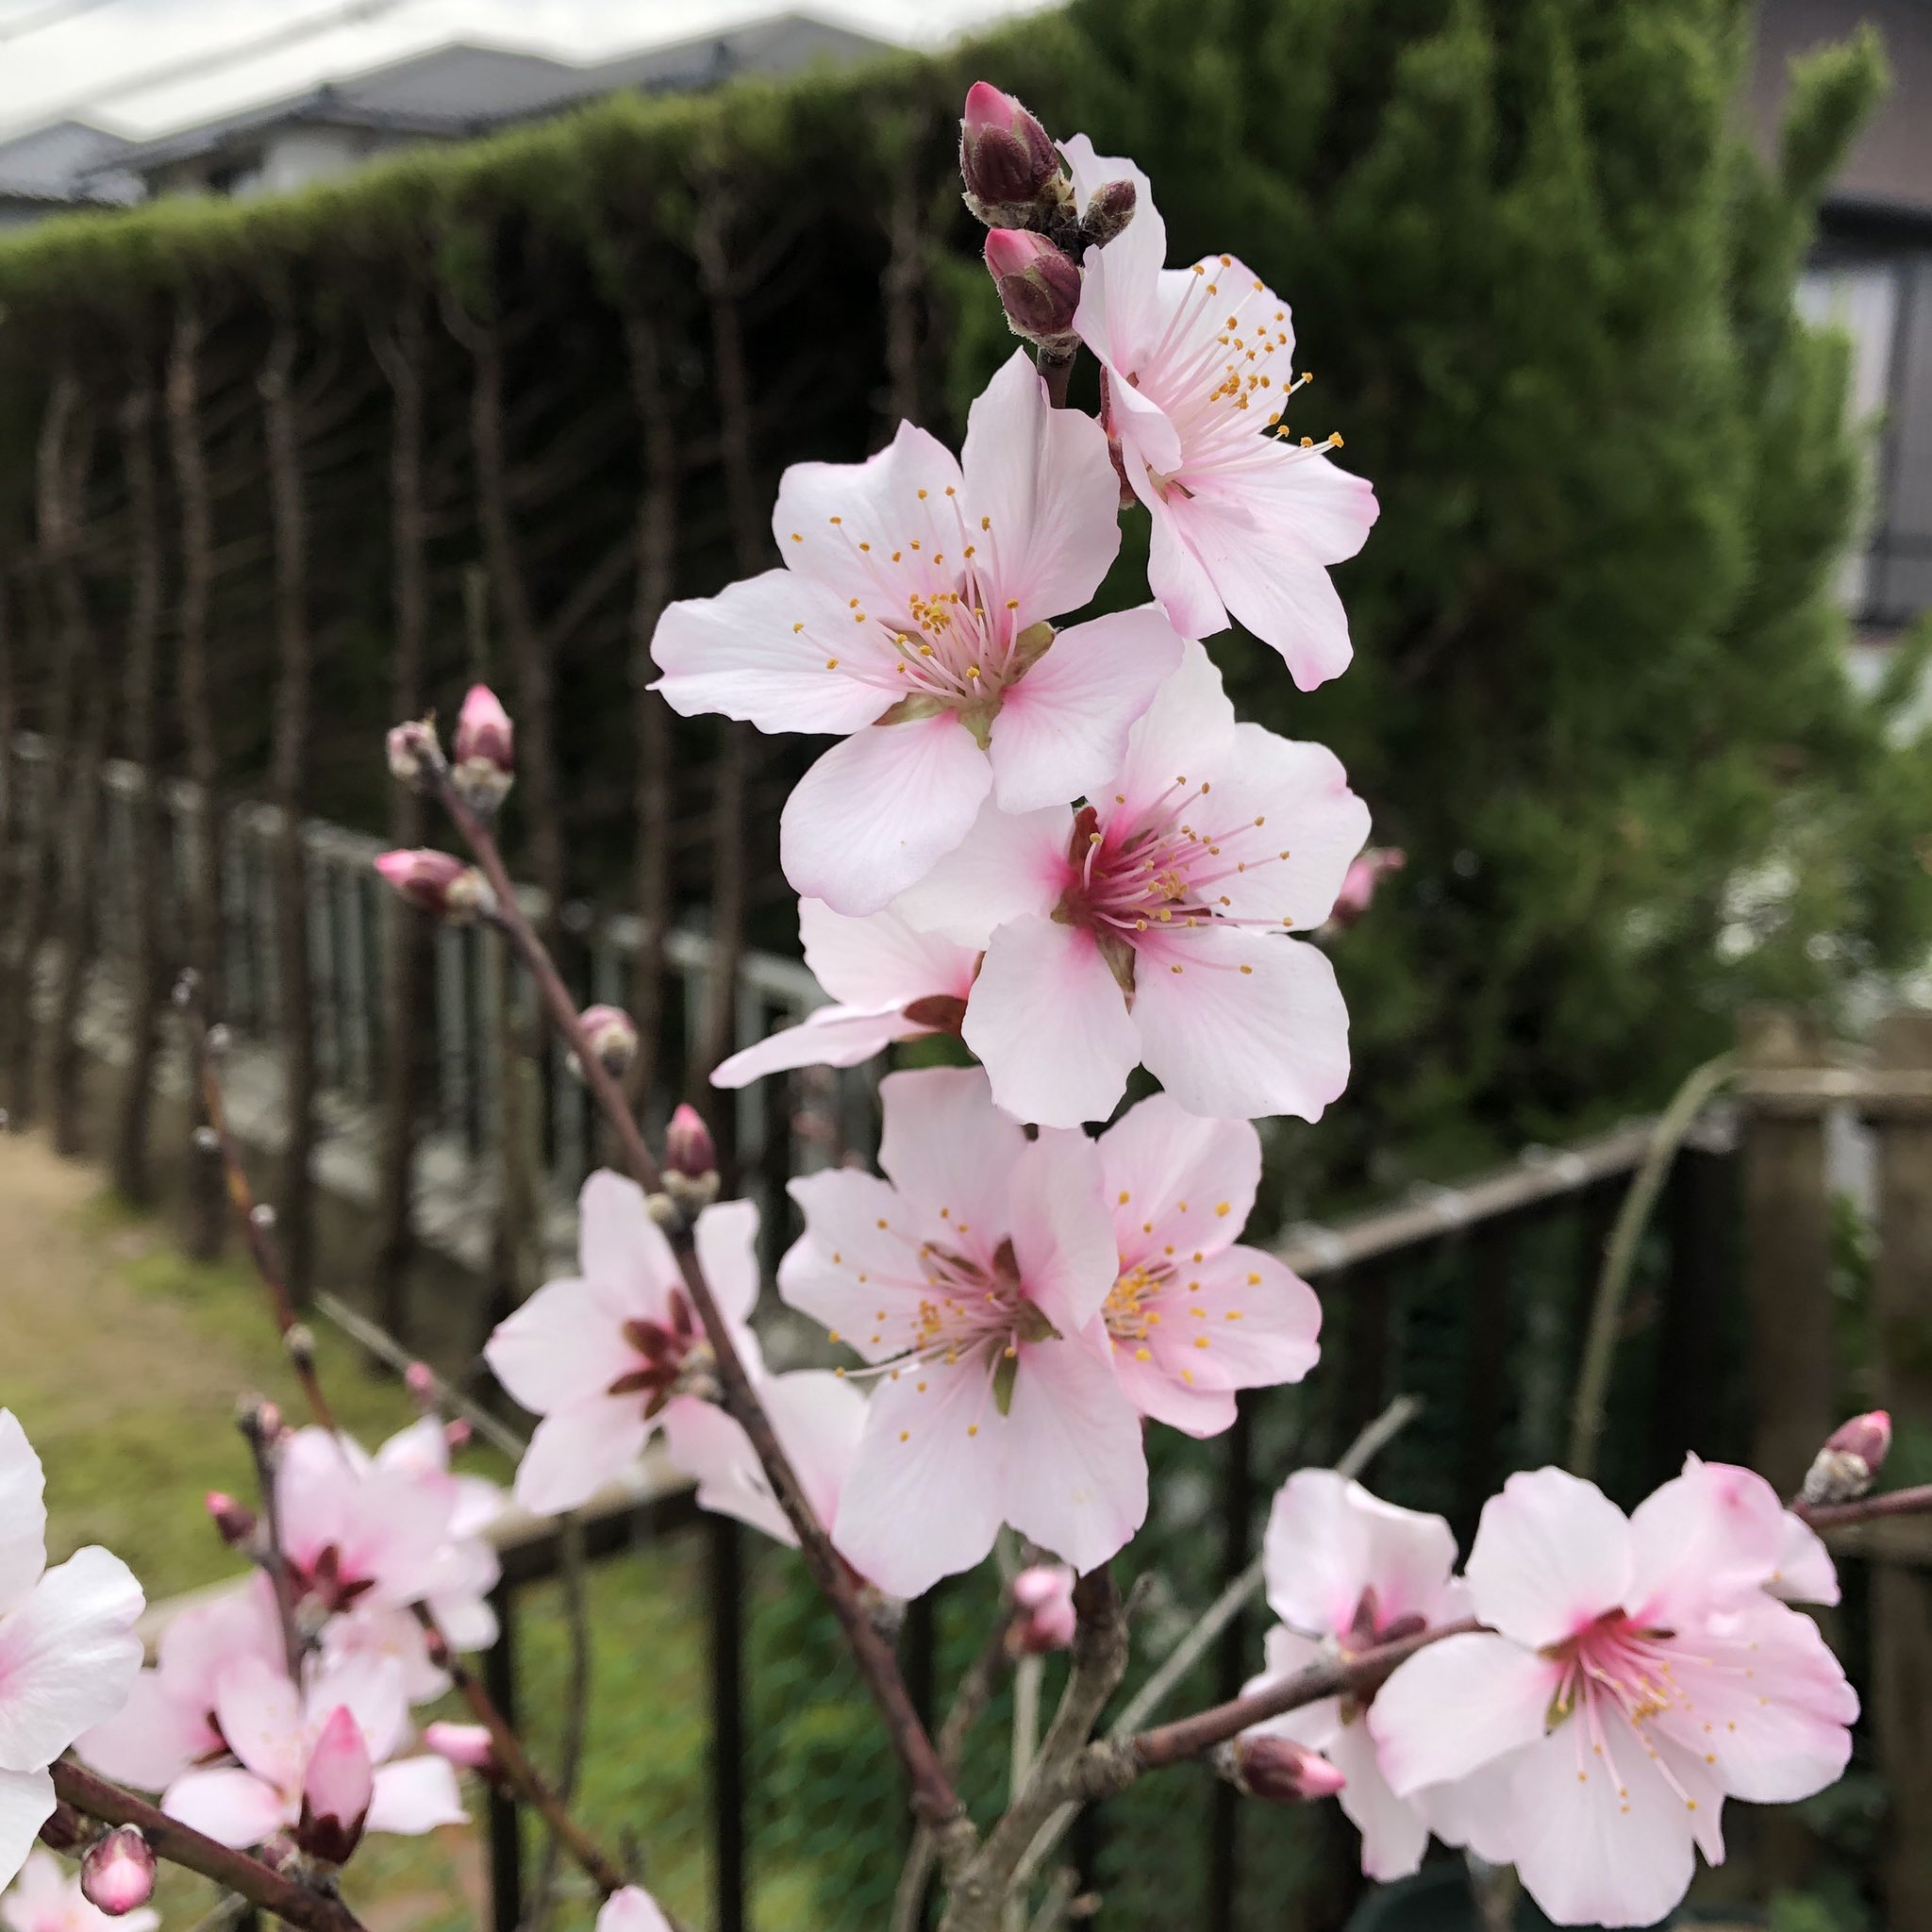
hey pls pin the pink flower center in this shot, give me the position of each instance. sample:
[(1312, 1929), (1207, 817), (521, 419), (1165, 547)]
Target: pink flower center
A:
[(1164, 867), (930, 591), (666, 1355)]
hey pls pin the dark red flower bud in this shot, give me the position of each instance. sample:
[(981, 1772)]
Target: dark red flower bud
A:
[(1110, 208), (234, 1521), (688, 1149), (1280, 1770), (1038, 285), (1006, 159), (438, 882)]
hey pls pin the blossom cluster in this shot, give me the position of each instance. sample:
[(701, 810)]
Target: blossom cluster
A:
[(1609, 1682)]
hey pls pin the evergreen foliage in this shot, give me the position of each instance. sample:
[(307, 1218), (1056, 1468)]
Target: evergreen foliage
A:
[(1599, 694)]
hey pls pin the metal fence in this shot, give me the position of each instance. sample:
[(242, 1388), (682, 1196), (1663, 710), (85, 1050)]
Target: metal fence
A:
[(786, 1815), (350, 911)]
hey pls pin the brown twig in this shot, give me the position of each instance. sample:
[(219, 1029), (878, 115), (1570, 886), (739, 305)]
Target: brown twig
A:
[(1912, 1501), (982, 1884), (511, 1753), (932, 1790), (290, 1901), (515, 1760), (254, 1223)]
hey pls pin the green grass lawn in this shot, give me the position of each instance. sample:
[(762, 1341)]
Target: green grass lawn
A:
[(124, 1360)]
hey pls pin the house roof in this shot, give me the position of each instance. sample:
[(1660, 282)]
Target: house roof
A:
[(66, 162), (465, 89)]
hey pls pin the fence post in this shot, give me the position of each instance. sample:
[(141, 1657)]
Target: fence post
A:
[(1231, 1663), (1786, 1256), (1901, 1594), (505, 1841), (727, 1580)]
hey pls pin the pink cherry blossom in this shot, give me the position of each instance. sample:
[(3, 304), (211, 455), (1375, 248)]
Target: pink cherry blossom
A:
[(1346, 1572), (1194, 1315), (276, 1734), (632, 1910), (1364, 880), (46, 1897), (972, 1278), (890, 981), (1155, 925), (167, 1723), (1198, 368), (68, 1652), (604, 1357), (1634, 1674), (914, 613)]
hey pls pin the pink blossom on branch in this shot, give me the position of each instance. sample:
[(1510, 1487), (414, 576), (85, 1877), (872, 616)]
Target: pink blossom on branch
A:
[(888, 981), (971, 1278), (1045, 1618), (46, 1897), (293, 1750), (68, 1652), (1157, 924), (607, 1356), (913, 612), (1347, 1571), (1198, 367), (1634, 1674), (631, 1910), (1194, 1315)]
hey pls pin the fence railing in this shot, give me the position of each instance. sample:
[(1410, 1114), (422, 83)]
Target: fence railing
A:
[(349, 916)]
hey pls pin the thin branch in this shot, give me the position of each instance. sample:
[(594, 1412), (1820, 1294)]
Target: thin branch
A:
[(293, 1903), (515, 1760), (932, 1790), (248, 1213), (1374, 1437), (1912, 1501)]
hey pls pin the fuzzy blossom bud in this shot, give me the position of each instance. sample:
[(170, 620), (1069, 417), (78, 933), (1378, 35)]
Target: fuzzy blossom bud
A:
[(466, 1746), (419, 1378), (688, 1149), (234, 1521), (483, 745), (1853, 1455), (1278, 1770), (1038, 285), (336, 1790), (1006, 159), (1110, 208), (1361, 881), (612, 1037), (437, 882), (414, 752), (117, 1876), (1043, 1616)]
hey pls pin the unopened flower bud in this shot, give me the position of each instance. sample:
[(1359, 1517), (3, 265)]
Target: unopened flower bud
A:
[(1362, 880), (466, 1746), (414, 752), (264, 1216), (258, 1419), (1110, 208), (207, 1140), (117, 1873), (1278, 1770), (483, 747), (1043, 1616), (233, 1521), (438, 882), (1006, 159), (419, 1378), (1849, 1463), (456, 1432), (1038, 285), (688, 1148), (336, 1791), (612, 1037), (298, 1344)]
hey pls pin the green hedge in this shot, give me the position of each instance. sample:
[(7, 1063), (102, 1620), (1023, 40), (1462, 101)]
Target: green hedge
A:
[(1599, 686)]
